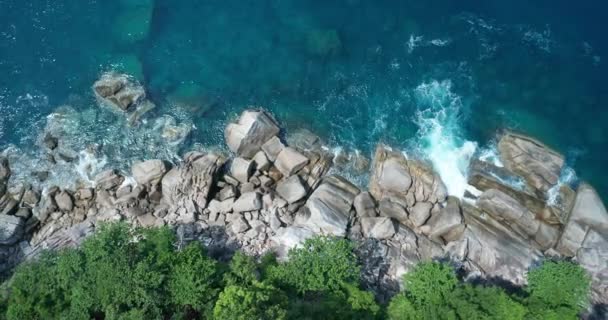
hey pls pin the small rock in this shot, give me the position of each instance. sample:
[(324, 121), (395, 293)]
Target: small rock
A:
[(291, 189), (64, 201), (365, 205), (149, 172), (249, 201), (290, 161), (247, 187), (241, 169), (11, 229), (261, 161), (85, 194), (239, 225), (420, 213), (108, 180), (393, 210), (377, 227), (272, 148), (226, 193)]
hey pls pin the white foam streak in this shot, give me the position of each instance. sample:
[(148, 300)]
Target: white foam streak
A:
[(438, 117)]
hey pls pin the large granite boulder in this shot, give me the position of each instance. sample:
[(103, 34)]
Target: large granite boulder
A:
[(187, 186), (289, 161), (11, 229), (253, 129), (149, 172), (448, 224), (489, 247), (329, 206), (407, 183), (585, 237), (539, 165), (291, 189), (485, 176), (377, 227), (509, 212)]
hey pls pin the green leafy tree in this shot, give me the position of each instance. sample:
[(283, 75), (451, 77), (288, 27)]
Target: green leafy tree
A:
[(557, 290), (259, 301), (243, 270), (321, 264), (401, 308), (430, 283), (193, 283)]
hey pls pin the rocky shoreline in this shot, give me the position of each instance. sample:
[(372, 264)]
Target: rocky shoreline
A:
[(271, 195)]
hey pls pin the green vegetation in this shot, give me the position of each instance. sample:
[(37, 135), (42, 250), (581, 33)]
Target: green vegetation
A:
[(556, 290), (125, 273)]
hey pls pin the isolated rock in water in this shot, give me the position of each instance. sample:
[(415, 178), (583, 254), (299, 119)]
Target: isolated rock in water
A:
[(249, 201), (149, 172), (290, 161), (118, 90), (11, 229), (364, 205), (241, 169), (254, 128), (377, 227), (536, 163), (190, 183), (329, 206), (291, 189)]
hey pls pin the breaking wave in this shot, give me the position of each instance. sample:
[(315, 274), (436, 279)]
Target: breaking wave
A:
[(439, 118)]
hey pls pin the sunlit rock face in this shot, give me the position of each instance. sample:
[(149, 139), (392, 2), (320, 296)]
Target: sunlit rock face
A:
[(270, 194)]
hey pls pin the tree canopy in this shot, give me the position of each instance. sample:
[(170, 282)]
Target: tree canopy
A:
[(138, 273)]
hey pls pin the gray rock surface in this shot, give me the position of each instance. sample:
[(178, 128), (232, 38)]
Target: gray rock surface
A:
[(377, 227), (291, 189), (329, 206), (539, 165), (249, 201), (149, 172), (252, 130), (290, 161), (11, 229)]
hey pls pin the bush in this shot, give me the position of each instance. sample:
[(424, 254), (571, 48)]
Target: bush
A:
[(256, 301), (558, 289), (321, 264), (125, 273)]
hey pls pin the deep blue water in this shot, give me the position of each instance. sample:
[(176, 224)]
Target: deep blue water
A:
[(423, 75)]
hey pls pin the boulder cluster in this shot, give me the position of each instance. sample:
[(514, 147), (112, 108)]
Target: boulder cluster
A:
[(271, 195)]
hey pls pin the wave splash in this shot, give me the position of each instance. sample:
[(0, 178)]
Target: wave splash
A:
[(439, 116)]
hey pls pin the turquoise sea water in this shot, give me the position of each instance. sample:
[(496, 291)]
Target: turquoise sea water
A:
[(434, 77)]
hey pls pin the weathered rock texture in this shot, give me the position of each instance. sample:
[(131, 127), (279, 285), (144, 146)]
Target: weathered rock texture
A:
[(272, 195)]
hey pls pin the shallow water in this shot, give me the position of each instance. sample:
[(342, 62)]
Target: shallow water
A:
[(437, 78)]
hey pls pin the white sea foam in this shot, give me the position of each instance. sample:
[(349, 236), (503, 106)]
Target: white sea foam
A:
[(439, 114), (489, 154), (567, 177)]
